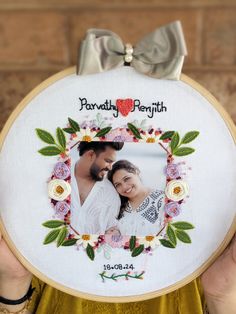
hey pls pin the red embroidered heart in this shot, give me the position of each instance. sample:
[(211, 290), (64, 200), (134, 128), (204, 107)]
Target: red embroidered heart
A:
[(124, 106)]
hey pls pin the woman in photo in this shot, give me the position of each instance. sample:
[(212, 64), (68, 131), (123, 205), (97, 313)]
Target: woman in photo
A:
[(142, 209)]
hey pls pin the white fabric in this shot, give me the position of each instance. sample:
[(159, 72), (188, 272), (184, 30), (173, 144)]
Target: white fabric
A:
[(99, 211), (145, 220)]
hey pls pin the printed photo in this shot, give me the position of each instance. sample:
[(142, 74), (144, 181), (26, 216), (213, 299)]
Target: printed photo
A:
[(117, 188)]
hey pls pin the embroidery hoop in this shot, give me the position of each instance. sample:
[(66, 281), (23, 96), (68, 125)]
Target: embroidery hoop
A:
[(131, 298)]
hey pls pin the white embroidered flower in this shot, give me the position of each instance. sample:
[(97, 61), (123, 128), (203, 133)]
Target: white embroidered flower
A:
[(87, 135), (149, 241), (176, 190), (59, 189), (149, 138), (86, 239)]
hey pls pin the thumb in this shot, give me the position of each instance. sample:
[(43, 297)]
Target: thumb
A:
[(233, 245)]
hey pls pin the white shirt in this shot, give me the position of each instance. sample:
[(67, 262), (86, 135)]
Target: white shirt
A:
[(147, 219), (99, 211)]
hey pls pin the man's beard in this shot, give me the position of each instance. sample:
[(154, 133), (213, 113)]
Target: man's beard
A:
[(94, 172)]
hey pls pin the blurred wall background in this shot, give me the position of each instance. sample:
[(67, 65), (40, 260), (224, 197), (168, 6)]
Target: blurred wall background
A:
[(40, 37)]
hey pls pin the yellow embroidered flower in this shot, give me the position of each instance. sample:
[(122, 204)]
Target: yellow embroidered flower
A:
[(149, 241), (87, 135), (59, 189), (86, 239), (176, 190)]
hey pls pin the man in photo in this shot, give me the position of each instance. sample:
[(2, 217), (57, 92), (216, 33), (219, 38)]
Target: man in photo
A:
[(95, 204)]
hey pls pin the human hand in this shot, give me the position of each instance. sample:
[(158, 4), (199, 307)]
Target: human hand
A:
[(219, 282), (10, 267), (14, 278)]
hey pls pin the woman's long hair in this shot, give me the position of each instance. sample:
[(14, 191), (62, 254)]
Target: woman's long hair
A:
[(129, 167)]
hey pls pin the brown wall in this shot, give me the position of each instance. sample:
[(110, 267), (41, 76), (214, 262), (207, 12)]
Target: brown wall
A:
[(40, 37)]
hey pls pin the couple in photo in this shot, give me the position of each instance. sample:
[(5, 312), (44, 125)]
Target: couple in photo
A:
[(108, 196)]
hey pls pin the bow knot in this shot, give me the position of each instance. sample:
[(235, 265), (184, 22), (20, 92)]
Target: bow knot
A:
[(128, 53), (159, 54)]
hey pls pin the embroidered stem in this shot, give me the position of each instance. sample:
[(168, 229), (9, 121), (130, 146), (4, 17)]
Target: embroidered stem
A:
[(164, 148), (74, 230), (161, 230), (75, 144), (126, 275)]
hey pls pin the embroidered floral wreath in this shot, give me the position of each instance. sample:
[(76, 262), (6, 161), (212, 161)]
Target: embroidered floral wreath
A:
[(59, 187)]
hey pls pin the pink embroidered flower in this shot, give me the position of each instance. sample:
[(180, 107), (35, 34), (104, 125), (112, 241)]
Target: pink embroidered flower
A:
[(61, 209), (119, 135), (61, 171), (116, 241), (64, 156), (172, 209), (172, 171)]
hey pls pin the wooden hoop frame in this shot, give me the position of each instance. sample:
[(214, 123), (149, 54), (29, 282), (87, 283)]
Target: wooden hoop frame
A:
[(232, 128)]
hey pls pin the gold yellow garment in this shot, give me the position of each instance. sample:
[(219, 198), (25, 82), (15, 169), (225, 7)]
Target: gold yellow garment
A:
[(187, 300)]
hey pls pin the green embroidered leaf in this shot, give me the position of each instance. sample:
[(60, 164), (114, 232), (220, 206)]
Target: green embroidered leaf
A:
[(90, 252), (174, 141), (62, 236), (74, 125), (107, 255), (132, 243), (183, 151), (189, 137), (45, 136), (183, 225), (167, 243), (69, 242), (51, 236), (167, 134), (61, 138), (99, 249), (183, 236), (134, 130), (138, 250), (53, 223), (104, 131), (69, 130), (50, 151), (171, 235)]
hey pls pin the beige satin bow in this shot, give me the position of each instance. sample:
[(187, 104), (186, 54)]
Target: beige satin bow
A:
[(159, 54)]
